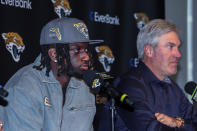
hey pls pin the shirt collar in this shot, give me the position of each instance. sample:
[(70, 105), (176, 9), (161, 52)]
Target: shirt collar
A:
[(150, 77), (42, 73), (76, 83)]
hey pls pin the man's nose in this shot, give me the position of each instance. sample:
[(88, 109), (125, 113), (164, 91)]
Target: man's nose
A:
[(178, 54), (85, 56)]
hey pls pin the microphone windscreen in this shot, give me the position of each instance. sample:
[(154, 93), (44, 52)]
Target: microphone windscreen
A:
[(190, 87), (88, 76), (93, 80)]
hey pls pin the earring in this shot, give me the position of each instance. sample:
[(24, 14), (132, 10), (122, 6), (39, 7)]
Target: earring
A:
[(55, 60)]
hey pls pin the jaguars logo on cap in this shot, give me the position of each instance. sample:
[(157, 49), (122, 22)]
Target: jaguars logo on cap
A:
[(81, 27)]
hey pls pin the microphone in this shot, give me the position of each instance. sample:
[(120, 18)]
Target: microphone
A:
[(97, 83), (3, 92), (191, 88)]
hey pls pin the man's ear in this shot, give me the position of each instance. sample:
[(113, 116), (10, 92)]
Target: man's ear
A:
[(148, 50), (52, 54)]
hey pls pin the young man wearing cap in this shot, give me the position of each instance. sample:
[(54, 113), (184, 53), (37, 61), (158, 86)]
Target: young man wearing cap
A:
[(49, 94)]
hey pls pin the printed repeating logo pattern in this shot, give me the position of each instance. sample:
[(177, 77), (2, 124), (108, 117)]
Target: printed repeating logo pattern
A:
[(105, 56), (141, 20), (14, 44), (61, 8), (95, 16)]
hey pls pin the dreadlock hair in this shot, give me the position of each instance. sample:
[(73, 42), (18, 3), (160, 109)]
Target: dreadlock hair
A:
[(63, 59), (45, 60)]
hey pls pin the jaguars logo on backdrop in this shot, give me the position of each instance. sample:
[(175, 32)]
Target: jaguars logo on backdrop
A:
[(61, 8), (141, 19), (14, 44), (105, 56)]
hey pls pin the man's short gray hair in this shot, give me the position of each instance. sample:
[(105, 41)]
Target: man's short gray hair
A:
[(150, 33)]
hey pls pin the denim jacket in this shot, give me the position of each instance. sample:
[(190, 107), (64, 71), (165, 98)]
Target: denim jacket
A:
[(35, 103)]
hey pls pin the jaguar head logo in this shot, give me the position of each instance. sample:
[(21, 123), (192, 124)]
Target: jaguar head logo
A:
[(14, 44), (141, 20), (96, 83), (61, 8), (105, 56), (81, 27)]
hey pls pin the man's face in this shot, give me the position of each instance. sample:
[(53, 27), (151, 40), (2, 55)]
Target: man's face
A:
[(79, 57), (166, 55)]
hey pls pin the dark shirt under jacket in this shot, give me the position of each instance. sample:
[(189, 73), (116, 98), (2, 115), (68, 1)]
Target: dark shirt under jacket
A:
[(150, 96)]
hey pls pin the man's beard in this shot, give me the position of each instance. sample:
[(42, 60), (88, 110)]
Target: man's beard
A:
[(77, 75)]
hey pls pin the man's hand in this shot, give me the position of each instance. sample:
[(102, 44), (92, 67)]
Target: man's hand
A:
[(167, 120)]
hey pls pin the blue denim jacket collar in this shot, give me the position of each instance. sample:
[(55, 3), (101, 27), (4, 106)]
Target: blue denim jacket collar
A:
[(48, 79), (74, 82)]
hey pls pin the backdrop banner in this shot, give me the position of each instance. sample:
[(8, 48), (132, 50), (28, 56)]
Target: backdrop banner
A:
[(114, 21)]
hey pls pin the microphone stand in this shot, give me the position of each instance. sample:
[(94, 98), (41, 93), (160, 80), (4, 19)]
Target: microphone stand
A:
[(113, 109), (195, 105)]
